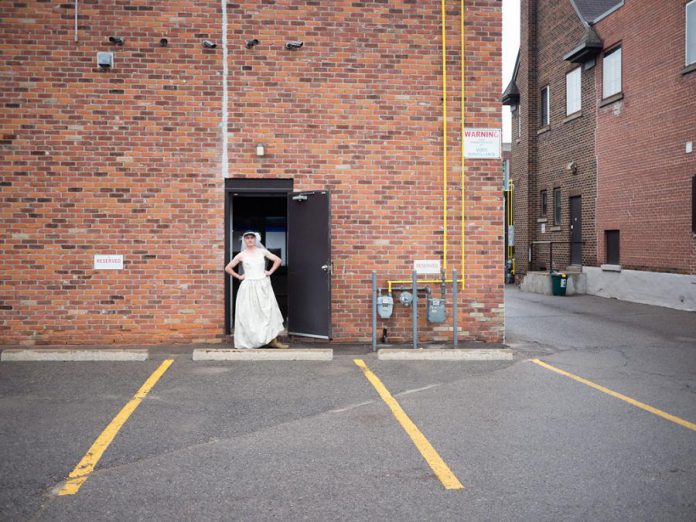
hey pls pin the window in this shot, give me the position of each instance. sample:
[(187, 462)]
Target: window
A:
[(691, 32), (574, 91), (545, 106), (611, 73), (544, 203), (613, 244), (557, 206)]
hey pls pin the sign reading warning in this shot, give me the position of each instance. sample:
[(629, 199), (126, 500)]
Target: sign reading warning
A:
[(482, 143)]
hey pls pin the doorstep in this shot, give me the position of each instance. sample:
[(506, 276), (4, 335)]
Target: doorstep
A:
[(263, 354)]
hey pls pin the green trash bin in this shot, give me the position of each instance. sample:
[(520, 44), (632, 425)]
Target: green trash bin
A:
[(559, 283)]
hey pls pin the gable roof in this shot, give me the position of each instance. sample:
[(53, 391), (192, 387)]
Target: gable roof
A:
[(591, 11)]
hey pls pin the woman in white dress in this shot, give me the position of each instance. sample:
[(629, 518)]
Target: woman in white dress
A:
[(257, 318)]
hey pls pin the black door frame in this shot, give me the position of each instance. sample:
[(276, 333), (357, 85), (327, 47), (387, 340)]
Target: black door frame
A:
[(245, 186)]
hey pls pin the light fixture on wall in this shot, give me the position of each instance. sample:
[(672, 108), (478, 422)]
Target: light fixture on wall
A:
[(572, 167), (260, 149)]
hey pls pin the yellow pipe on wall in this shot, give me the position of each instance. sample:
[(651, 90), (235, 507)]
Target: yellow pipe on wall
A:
[(463, 116), (444, 149), (444, 136)]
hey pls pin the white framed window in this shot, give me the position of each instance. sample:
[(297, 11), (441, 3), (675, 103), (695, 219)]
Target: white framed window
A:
[(545, 106), (611, 73), (691, 32), (574, 91)]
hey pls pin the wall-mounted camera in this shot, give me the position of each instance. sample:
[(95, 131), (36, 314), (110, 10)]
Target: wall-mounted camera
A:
[(293, 45), (164, 42), (251, 43), (209, 45), (116, 40)]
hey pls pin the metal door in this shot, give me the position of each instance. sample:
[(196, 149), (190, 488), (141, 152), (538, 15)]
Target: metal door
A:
[(309, 264), (576, 230)]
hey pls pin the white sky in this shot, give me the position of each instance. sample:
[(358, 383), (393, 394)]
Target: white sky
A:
[(511, 43)]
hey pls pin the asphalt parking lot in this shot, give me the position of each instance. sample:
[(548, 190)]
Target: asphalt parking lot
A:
[(316, 441)]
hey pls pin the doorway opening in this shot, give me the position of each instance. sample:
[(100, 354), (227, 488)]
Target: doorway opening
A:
[(295, 226), (261, 206)]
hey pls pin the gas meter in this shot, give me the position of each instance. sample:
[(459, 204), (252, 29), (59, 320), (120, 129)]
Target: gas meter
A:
[(385, 306), (436, 310)]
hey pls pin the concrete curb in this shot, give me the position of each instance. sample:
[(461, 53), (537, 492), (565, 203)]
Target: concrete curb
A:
[(69, 354), (421, 354), (260, 354)]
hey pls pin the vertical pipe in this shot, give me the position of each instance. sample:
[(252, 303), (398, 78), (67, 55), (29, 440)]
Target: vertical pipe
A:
[(223, 124), (75, 21), (454, 308), (414, 315), (444, 135), (374, 311), (463, 121)]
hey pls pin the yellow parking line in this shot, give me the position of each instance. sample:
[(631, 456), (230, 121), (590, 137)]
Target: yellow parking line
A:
[(431, 456), (637, 404), (89, 461)]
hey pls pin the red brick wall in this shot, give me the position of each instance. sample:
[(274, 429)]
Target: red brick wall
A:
[(644, 177), (550, 29), (127, 161)]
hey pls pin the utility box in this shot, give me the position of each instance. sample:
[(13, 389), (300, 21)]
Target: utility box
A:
[(385, 306), (436, 310)]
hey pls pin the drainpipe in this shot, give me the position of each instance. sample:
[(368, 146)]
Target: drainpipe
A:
[(225, 73)]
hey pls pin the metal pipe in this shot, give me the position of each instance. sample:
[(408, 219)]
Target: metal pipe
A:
[(374, 311), (414, 316), (75, 21), (463, 121), (454, 309), (444, 135), (225, 96)]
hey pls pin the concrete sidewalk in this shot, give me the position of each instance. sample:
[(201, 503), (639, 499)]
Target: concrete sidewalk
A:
[(225, 351)]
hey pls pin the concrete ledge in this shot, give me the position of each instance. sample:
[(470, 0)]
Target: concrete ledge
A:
[(476, 354), (69, 354), (261, 354)]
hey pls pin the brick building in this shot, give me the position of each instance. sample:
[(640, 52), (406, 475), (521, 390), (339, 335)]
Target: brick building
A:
[(204, 120), (604, 114)]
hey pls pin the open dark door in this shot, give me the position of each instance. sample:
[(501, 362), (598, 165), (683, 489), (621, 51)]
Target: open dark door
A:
[(309, 264)]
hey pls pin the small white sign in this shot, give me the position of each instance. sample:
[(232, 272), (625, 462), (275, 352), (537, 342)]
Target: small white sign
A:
[(108, 262), (482, 143), (427, 266)]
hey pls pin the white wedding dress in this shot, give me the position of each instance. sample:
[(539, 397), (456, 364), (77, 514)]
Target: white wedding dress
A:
[(257, 318)]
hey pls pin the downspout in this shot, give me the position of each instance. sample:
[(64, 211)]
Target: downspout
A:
[(225, 73), (75, 9)]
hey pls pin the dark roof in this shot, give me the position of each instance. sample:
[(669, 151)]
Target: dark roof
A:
[(589, 46), (511, 96), (590, 10)]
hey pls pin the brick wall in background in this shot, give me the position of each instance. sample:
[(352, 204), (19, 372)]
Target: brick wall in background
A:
[(644, 171), (128, 161)]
